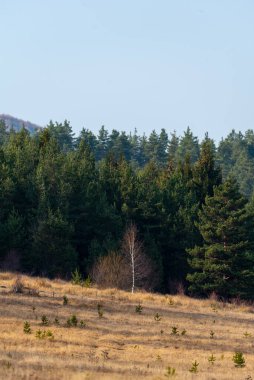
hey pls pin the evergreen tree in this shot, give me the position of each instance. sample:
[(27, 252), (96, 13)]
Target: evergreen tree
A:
[(188, 146), (173, 146), (205, 174), (224, 262), (52, 253), (102, 146), (3, 133), (63, 134), (89, 138)]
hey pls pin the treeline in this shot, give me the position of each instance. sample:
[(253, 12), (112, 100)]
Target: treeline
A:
[(234, 154), (65, 202)]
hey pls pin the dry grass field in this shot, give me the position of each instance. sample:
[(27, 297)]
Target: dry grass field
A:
[(121, 343)]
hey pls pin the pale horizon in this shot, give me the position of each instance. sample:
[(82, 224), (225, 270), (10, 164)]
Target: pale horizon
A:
[(129, 65)]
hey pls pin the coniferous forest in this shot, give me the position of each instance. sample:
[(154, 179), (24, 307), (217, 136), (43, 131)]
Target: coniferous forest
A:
[(66, 203)]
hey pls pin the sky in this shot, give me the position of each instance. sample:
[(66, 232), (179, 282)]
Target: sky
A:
[(125, 64)]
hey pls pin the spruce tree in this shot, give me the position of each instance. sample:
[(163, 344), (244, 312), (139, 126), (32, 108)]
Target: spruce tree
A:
[(205, 173), (223, 263)]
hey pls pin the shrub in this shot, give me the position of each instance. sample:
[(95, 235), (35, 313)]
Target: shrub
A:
[(18, 286), (110, 272), (34, 292)]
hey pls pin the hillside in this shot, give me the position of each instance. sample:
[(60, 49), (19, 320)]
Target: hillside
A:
[(17, 124), (120, 343)]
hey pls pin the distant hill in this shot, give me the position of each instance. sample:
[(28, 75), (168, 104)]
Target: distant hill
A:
[(17, 124)]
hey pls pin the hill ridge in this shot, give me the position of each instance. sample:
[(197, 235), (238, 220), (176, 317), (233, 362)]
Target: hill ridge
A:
[(17, 124)]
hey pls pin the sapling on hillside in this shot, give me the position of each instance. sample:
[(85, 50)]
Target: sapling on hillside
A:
[(139, 308), (194, 367), (174, 330), (44, 320), (157, 317), (72, 321), (239, 360), (99, 310), (27, 328), (170, 371), (212, 359)]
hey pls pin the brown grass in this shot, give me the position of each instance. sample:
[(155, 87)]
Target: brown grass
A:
[(122, 344)]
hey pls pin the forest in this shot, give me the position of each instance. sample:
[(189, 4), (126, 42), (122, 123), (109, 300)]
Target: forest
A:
[(67, 204)]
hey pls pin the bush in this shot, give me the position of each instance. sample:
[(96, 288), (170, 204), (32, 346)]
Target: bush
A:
[(18, 286), (110, 272)]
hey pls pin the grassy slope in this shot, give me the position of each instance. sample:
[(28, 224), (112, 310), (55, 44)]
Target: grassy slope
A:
[(122, 344)]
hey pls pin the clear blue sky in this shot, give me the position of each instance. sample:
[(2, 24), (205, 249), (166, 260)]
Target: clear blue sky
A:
[(148, 64)]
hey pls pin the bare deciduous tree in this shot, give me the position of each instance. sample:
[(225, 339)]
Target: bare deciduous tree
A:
[(139, 265)]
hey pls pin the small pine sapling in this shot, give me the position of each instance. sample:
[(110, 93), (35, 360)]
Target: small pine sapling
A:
[(99, 310), (44, 320), (27, 328), (72, 321), (212, 359), (170, 371), (87, 283), (157, 317), (139, 308), (174, 330), (194, 367), (76, 277), (65, 300), (44, 334), (239, 360), (57, 321)]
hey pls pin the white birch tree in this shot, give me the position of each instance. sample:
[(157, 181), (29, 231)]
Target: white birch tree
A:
[(139, 264)]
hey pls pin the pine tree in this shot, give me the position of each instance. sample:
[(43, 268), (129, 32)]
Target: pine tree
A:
[(205, 174), (223, 263), (63, 134), (51, 251), (188, 145)]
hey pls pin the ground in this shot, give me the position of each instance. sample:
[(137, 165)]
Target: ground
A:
[(120, 343)]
